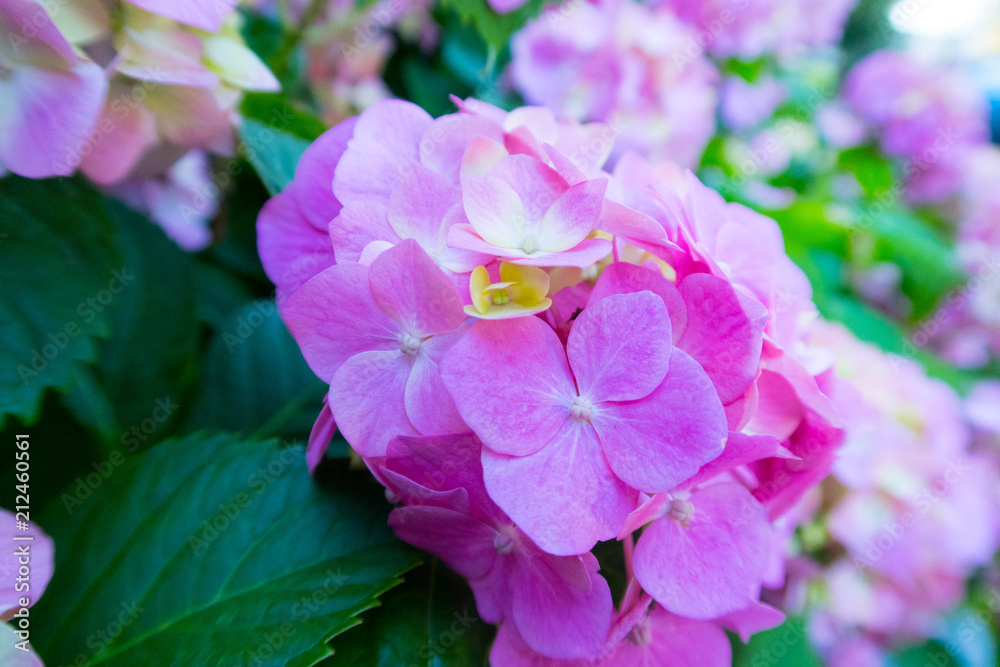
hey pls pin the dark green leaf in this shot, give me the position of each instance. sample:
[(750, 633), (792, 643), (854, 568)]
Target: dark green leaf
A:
[(429, 621), (931, 654), (255, 381), (214, 551), (58, 272)]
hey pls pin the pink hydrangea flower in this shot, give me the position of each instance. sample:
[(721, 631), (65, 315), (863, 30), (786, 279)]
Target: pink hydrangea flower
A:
[(914, 507), (636, 368), (50, 93), (930, 117), (626, 64)]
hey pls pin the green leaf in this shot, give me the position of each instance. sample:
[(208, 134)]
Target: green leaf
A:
[(58, 267), (871, 169), (214, 551), (429, 621), (274, 137), (784, 646), (255, 381), (496, 29), (931, 654), (150, 359)]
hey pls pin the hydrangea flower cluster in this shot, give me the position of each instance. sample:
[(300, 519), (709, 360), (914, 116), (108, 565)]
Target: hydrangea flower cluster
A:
[(930, 117), (628, 64), (749, 30), (911, 510), (121, 90), (534, 355)]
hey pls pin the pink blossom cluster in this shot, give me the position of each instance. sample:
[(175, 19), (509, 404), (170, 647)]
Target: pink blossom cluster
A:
[(534, 355), (749, 29), (624, 63), (928, 116), (912, 507), (966, 327), (122, 90)]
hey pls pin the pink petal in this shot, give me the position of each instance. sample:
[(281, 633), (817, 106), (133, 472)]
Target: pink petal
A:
[(505, 6), (724, 332), (385, 146), (657, 442), (312, 188), (47, 115), (359, 223), (480, 156), (510, 650), (584, 254), (319, 438), (628, 223), (511, 383), (446, 143), (119, 150), (625, 278), (419, 204), (44, 46), (740, 450), (410, 288), (428, 404), (572, 216), (494, 211), (714, 565), (537, 185), (333, 317), (444, 463), (564, 497), (205, 15), (555, 618), (676, 642), (464, 543), (367, 400), (757, 617), (619, 347)]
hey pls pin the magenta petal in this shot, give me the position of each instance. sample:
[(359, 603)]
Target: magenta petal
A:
[(505, 6), (657, 442), (741, 449), (511, 383), (714, 565), (367, 400), (428, 405), (681, 642), (419, 204), (564, 497), (42, 563), (444, 144), (333, 317), (724, 332), (291, 250), (494, 210), (755, 618), (554, 617), (414, 292), (619, 348), (360, 223), (312, 188), (385, 146), (572, 216), (198, 13), (620, 220), (464, 543), (624, 278), (320, 436)]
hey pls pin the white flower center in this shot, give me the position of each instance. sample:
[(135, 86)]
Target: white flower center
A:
[(581, 409), (409, 344), (680, 511)]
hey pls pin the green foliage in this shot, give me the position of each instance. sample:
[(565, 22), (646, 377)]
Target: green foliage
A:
[(428, 621), (59, 269), (213, 550), (496, 29), (784, 646), (274, 137), (254, 379)]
